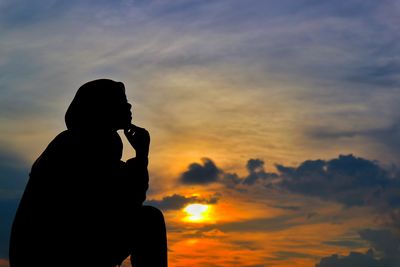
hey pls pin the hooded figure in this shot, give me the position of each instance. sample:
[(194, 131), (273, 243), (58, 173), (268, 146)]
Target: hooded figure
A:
[(82, 205)]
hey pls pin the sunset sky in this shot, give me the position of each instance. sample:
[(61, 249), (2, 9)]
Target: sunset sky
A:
[(278, 119)]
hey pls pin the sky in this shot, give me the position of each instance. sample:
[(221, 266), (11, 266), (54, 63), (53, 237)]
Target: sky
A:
[(278, 119)]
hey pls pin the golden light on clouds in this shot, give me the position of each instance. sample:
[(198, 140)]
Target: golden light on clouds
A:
[(237, 84), (197, 213)]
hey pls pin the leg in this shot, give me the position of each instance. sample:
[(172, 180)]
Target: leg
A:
[(150, 239)]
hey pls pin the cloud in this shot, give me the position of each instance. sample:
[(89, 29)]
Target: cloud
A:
[(387, 135), (342, 60), (394, 218), (274, 224), (176, 201), (347, 179), (256, 171), (254, 165), (139, 42), (384, 252), (350, 180), (354, 259), (201, 174), (383, 74), (284, 207), (384, 241), (209, 172)]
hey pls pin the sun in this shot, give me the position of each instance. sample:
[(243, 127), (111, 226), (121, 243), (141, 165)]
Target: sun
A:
[(196, 212)]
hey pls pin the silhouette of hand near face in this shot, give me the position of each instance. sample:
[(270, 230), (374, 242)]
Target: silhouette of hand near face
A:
[(139, 138)]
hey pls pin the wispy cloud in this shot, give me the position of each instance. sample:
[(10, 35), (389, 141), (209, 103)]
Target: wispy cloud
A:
[(292, 82)]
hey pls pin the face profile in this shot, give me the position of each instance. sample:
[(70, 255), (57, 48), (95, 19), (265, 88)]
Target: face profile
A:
[(123, 114), (101, 104)]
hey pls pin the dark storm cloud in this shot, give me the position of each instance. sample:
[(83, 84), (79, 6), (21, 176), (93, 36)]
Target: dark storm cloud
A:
[(201, 174), (383, 241), (254, 165), (256, 171), (349, 180), (231, 180), (176, 202), (208, 172), (354, 259), (384, 252)]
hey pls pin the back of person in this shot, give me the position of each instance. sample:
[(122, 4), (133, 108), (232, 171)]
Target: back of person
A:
[(68, 203)]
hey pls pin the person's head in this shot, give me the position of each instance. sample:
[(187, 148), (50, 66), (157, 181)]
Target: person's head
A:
[(99, 105)]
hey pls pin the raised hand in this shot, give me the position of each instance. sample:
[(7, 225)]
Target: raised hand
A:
[(139, 138)]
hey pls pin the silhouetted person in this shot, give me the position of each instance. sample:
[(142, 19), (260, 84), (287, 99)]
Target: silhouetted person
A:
[(82, 205)]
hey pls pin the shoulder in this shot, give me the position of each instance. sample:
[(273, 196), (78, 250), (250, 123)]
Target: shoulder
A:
[(57, 146), (62, 141)]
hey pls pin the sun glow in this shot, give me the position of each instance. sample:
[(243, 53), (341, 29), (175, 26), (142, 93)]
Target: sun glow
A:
[(196, 212)]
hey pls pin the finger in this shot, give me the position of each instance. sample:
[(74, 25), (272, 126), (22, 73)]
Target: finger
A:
[(131, 128), (129, 132)]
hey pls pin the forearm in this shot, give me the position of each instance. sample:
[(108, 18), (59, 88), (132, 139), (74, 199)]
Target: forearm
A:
[(137, 177)]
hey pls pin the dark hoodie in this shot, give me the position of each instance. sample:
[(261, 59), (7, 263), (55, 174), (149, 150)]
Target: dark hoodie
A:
[(80, 198)]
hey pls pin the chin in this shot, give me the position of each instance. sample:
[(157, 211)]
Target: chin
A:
[(126, 125)]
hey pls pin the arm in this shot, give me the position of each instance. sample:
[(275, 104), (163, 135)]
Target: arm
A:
[(136, 168)]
